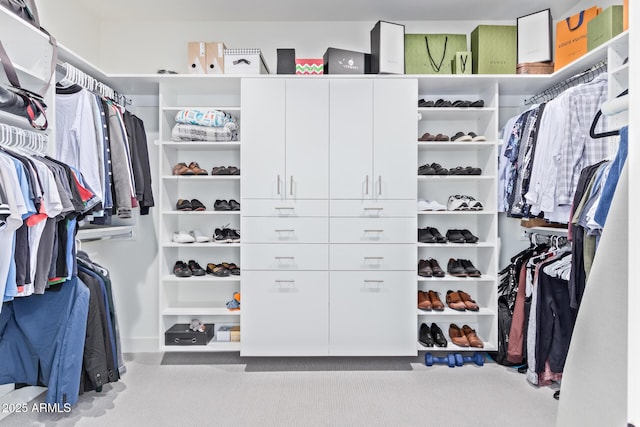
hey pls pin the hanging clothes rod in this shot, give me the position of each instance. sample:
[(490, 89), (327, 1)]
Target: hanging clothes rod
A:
[(75, 76), (555, 90), (11, 136)]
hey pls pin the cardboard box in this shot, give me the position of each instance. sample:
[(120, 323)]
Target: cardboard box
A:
[(432, 53), (534, 38), (462, 63), (493, 49), (535, 68), (244, 61), (604, 27), (180, 334), (235, 334), (224, 333), (197, 57), (387, 48), (306, 66), (341, 61), (215, 57), (540, 222), (286, 61)]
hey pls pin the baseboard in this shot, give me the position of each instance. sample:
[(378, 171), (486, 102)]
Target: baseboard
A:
[(140, 345)]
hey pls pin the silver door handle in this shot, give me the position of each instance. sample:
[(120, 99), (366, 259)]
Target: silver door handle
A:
[(282, 208), (278, 184), (379, 258), (380, 185), (374, 231), (285, 231), (373, 209), (367, 187), (291, 186), (373, 281), (284, 257), (285, 281)]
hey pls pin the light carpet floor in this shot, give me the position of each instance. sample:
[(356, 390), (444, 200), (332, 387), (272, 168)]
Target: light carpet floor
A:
[(225, 390)]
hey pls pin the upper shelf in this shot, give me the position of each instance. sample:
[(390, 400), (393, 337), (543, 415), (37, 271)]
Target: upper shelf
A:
[(509, 84)]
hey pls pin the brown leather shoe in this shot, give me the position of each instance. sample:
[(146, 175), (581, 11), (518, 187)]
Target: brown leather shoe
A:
[(469, 304), (473, 339), (423, 301), (197, 169), (454, 301), (182, 169), (435, 267), (436, 303), (424, 268), (457, 337)]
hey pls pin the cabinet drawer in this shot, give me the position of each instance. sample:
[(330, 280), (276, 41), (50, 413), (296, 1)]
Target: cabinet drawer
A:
[(285, 230), (373, 208), (285, 313), (373, 257), (258, 256), (373, 230), (285, 208), (372, 314)]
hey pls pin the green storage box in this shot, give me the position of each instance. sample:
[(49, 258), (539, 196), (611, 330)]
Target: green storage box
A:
[(461, 63), (432, 53), (605, 26), (494, 49)]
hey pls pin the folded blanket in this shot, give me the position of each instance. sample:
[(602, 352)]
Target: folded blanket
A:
[(209, 118), (182, 132)]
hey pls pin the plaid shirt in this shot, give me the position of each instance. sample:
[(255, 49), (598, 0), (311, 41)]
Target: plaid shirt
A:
[(578, 148)]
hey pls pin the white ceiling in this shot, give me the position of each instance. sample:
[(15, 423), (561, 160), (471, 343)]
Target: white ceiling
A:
[(320, 10)]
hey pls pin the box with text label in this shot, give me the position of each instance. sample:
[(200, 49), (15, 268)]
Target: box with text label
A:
[(244, 61), (494, 49)]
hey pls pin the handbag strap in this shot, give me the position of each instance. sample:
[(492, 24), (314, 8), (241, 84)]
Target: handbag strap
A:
[(33, 11), (580, 21), (9, 69)]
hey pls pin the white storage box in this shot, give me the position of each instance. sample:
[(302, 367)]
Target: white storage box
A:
[(387, 48), (244, 61)]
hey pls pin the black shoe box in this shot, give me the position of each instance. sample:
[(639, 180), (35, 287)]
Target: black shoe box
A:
[(341, 61), (180, 334), (286, 61)]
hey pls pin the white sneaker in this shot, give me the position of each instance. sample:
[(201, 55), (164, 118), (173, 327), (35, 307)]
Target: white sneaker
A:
[(199, 237), (457, 203), (430, 205), (473, 204), (182, 237)]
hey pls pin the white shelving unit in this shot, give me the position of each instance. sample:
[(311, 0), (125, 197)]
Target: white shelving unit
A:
[(484, 223), (196, 297)]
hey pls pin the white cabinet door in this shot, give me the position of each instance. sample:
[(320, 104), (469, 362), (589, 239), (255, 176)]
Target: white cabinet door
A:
[(291, 256), (307, 139), (286, 230), (285, 313), (395, 128), (372, 314), (263, 138), (351, 139)]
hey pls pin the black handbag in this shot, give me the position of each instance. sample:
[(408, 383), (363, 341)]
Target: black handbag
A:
[(19, 101)]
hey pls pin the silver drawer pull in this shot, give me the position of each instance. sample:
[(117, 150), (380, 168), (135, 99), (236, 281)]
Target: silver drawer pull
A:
[(278, 184), (373, 281), (282, 208), (285, 257), (379, 258), (374, 231), (285, 281), (285, 230), (373, 209)]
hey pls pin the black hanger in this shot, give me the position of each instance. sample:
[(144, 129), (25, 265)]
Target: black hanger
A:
[(592, 131)]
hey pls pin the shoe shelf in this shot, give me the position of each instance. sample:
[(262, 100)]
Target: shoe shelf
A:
[(213, 346), (200, 245), (454, 145), (197, 309), (198, 213), (452, 348), (200, 145), (464, 178), (201, 178), (450, 312), (448, 278), (455, 113), (457, 245), (200, 279), (470, 213)]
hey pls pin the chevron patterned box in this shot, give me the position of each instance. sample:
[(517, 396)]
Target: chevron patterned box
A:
[(310, 66)]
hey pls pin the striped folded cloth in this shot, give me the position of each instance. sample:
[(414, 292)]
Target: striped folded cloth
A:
[(182, 132), (209, 118)]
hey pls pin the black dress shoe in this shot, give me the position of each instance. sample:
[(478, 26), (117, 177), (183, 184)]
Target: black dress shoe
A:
[(435, 233), (424, 236), (425, 336), (221, 205), (438, 336), (234, 205), (195, 268), (455, 236), (468, 237)]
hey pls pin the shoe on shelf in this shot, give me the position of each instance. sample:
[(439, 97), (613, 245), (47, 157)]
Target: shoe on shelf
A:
[(472, 337), (220, 236), (184, 205), (436, 234), (180, 269), (426, 170), (458, 170), (472, 203), (461, 137), (468, 236), (473, 171), (430, 205), (197, 205), (182, 169), (424, 268), (182, 237), (469, 269), (457, 203), (442, 137), (457, 336), (217, 270), (425, 236), (454, 301), (455, 268), (232, 235), (233, 170), (478, 104), (427, 137), (220, 170), (195, 268), (476, 138), (196, 169), (435, 267), (234, 205), (425, 338), (424, 303), (439, 169), (199, 237), (455, 236), (438, 336), (234, 270), (469, 303), (221, 205), (436, 303)]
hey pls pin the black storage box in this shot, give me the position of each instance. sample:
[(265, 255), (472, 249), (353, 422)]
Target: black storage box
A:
[(286, 61), (340, 61), (180, 334)]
